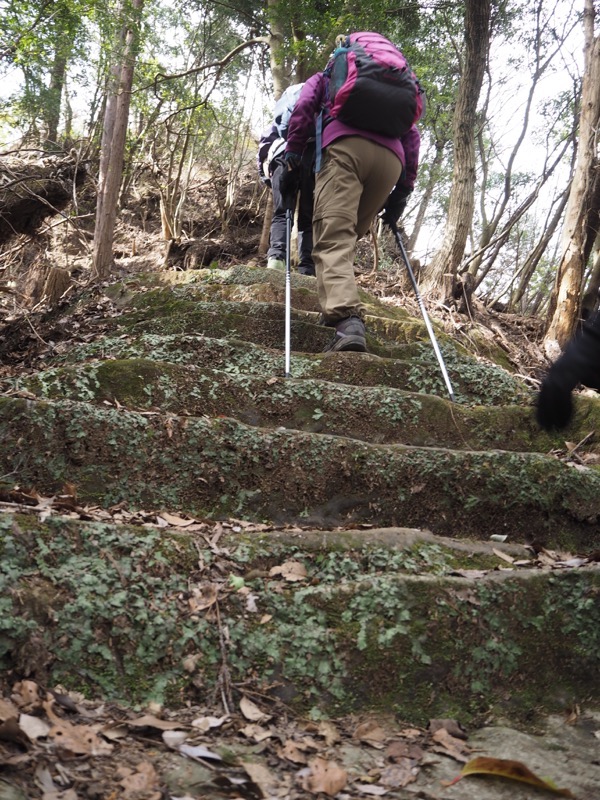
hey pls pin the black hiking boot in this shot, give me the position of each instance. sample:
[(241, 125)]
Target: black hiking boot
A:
[(349, 335)]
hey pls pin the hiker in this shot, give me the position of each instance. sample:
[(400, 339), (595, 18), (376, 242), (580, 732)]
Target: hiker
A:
[(579, 363), (359, 172), (271, 167)]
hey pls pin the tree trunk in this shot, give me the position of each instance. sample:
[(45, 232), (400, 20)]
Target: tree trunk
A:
[(55, 91), (112, 148), (565, 303), (280, 81), (440, 146), (460, 212)]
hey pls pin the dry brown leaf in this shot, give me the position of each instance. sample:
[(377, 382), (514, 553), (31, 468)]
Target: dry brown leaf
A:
[(27, 695), (290, 571), (371, 733), (33, 727), (8, 710), (372, 789), (256, 732), (329, 732), (400, 748), (204, 724), (400, 774), (252, 712), (324, 776), (203, 596), (292, 752), (173, 519), (506, 768), (150, 721), (143, 782), (260, 775), (450, 745), (503, 556)]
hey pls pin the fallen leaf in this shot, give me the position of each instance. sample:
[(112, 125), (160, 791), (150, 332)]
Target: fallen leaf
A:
[(143, 781), (453, 727), (400, 748), (256, 732), (290, 571), (512, 770), (449, 745), (262, 777), (329, 732), (502, 555), (150, 721), (174, 738), (179, 522), (371, 733), (203, 596), (33, 727), (252, 712), (400, 774), (371, 789), (324, 776), (204, 724), (292, 752), (8, 710), (198, 752)]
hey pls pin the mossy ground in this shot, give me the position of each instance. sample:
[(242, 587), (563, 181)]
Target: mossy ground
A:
[(178, 402), (378, 624)]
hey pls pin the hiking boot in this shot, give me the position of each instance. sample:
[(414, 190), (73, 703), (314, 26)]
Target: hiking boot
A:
[(307, 271), (276, 263), (349, 335)]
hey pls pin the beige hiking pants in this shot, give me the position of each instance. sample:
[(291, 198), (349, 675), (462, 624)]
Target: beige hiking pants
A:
[(354, 181)]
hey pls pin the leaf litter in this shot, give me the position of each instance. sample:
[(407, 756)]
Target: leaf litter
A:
[(64, 749)]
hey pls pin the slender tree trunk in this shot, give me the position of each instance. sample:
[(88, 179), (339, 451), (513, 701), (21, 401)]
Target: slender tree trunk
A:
[(438, 159), (533, 259), (112, 148), (565, 302), (55, 92), (280, 81), (462, 196)]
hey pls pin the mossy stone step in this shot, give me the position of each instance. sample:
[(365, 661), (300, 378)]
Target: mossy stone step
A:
[(375, 621), (222, 467), (371, 414), (414, 367)]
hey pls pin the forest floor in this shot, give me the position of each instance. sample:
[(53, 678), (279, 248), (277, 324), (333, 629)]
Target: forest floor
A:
[(57, 745)]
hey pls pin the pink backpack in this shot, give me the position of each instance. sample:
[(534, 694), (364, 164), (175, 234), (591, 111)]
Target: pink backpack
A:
[(371, 86)]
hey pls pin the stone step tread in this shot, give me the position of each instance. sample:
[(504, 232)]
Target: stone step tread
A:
[(376, 414), (221, 466), (390, 641)]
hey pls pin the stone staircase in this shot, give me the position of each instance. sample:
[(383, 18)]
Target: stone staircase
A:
[(443, 552)]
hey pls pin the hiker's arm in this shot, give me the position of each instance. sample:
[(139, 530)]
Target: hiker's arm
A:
[(302, 121), (411, 142), (267, 138)]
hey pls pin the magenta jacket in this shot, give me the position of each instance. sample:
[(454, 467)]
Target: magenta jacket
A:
[(302, 126)]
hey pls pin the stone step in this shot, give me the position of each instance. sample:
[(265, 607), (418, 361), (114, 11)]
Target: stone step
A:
[(394, 620), (414, 367), (373, 414), (219, 466)]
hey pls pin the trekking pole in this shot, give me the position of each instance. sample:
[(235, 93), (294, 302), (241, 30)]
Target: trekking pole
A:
[(288, 289), (411, 274)]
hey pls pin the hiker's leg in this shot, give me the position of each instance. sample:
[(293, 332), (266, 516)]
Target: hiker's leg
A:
[(305, 213), (277, 235), (346, 167), (381, 170)]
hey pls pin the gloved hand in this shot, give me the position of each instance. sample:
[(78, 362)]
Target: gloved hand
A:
[(395, 205), (580, 363), (290, 180)]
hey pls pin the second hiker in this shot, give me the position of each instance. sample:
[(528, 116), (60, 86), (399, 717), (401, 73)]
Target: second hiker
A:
[(369, 155), (271, 167)]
